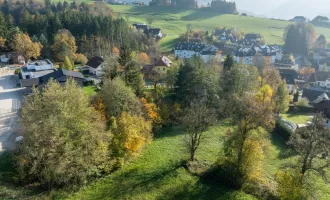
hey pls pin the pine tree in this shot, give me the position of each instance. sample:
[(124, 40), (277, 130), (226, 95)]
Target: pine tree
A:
[(124, 55), (229, 62), (134, 78)]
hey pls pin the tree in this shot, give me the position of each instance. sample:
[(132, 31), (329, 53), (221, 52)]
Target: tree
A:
[(282, 99), (67, 63), (22, 43), (195, 120), (152, 112), (303, 102), (143, 58), (134, 78), (260, 62), (272, 77), (306, 72), (119, 98), (125, 55), (299, 37), (321, 42), (61, 147), (149, 20), (130, 133), (229, 62), (80, 58), (296, 97), (111, 69), (264, 95), (196, 81), (250, 113), (310, 143), (64, 45), (290, 185)]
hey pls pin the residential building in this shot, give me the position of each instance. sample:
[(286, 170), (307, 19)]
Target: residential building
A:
[(251, 38), (299, 19), (320, 79), (252, 55), (154, 32), (61, 76), (158, 68), (188, 49), (315, 94), (13, 58), (290, 76), (324, 64), (36, 69), (95, 66), (210, 53), (140, 26), (321, 53)]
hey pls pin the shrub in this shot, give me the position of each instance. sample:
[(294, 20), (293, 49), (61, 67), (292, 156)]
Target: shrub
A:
[(282, 130), (303, 102)]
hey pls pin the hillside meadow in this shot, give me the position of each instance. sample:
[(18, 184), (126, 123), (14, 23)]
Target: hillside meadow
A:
[(173, 22)]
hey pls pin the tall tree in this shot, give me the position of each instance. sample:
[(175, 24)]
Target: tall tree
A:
[(282, 99), (119, 98), (125, 55), (61, 147), (67, 63), (299, 37), (22, 43), (195, 121), (311, 143), (229, 62), (134, 78), (64, 45)]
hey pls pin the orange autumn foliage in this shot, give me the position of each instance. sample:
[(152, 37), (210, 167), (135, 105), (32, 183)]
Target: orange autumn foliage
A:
[(115, 50), (152, 111), (100, 107), (143, 58)]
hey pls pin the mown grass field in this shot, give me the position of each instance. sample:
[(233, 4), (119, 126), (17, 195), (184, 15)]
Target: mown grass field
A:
[(158, 173), (173, 22)]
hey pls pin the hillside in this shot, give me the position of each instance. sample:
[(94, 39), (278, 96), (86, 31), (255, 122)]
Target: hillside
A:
[(173, 22)]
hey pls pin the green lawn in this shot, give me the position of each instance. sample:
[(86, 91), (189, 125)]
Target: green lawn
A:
[(298, 117), (173, 22), (89, 90), (158, 173)]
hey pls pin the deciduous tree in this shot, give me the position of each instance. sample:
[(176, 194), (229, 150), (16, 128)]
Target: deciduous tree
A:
[(282, 99), (22, 43), (311, 143), (64, 45), (195, 121), (61, 147)]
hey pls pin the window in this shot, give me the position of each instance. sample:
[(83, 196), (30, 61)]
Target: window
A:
[(27, 76), (164, 69)]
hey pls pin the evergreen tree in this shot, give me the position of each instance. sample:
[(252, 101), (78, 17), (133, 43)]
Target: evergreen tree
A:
[(124, 55), (296, 97), (134, 78), (282, 99), (229, 62), (67, 63)]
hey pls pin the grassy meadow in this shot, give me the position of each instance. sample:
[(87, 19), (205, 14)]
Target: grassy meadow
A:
[(173, 22)]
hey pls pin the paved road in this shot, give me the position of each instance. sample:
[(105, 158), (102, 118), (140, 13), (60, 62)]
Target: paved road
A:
[(10, 103)]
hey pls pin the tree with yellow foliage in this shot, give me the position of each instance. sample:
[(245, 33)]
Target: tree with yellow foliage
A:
[(152, 112), (290, 185), (264, 95), (130, 134), (64, 45), (306, 72), (23, 44)]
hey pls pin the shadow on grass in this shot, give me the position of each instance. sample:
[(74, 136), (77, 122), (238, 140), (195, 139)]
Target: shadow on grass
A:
[(280, 143)]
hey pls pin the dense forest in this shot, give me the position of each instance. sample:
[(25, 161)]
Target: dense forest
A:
[(95, 28)]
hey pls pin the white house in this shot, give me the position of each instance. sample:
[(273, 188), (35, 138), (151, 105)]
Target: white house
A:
[(209, 53), (95, 66), (320, 79), (188, 49), (36, 69)]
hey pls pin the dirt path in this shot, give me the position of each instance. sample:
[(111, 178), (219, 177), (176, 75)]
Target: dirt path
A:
[(10, 103)]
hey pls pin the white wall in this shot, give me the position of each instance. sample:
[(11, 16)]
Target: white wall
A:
[(321, 67)]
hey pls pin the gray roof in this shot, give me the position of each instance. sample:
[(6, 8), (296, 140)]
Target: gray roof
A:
[(319, 76), (192, 46)]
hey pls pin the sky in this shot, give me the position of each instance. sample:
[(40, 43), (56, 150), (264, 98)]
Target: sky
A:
[(285, 9)]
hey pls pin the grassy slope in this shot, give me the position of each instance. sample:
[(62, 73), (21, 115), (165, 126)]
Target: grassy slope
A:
[(173, 22), (89, 90), (157, 174)]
